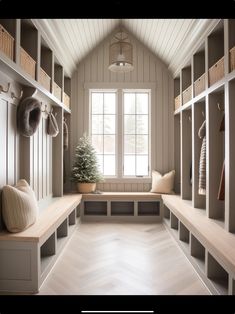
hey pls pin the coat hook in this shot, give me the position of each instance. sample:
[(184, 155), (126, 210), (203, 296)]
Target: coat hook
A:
[(14, 96), (219, 107), (203, 113), (2, 90)]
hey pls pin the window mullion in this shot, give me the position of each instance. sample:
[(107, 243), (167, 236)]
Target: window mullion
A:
[(120, 136)]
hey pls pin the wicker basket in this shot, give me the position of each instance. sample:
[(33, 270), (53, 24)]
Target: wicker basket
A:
[(199, 85), (177, 102), (56, 91), (66, 100), (216, 72), (44, 79), (27, 63), (232, 59), (6, 42), (187, 94)]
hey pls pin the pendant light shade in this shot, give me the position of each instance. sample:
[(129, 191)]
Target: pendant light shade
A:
[(121, 54)]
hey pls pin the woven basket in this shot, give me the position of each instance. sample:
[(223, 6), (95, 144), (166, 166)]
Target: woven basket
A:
[(6, 43), (27, 63), (44, 79), (66, 100), (216, 72), (187, 94), (177, 102), (199, 85), (56, 91), (232, 59)]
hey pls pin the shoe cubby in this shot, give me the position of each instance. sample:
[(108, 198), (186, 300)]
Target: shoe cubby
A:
[(121, 208), (8, 37), (95, 208), (199, 116), (72, 218), (217, 275), (61, 234), (46, 66), (177, 94), (174, 221), (186, 154), (231, 43), (47, 251), (216, 155), (199, 71), (216, 54), (186, 76), (28, 47), (184, 234), (67, 92), (197, 251), (58, 80), (148, 208), (166, 212)]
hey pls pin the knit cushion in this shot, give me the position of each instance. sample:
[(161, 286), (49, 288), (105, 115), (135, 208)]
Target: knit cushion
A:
[(163, 183), (19, 206)]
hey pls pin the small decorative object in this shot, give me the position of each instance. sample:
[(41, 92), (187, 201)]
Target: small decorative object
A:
[(85, 170), (163, 183), (52, 126), (28, 116), (121, 53), (19, 206)]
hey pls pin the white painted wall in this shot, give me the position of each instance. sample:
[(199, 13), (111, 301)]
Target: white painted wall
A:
[(148, 69)]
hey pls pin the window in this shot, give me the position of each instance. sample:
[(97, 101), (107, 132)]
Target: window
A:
[(123, 151), (103, 130)]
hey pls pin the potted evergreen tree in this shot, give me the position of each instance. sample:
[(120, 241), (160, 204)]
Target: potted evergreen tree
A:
[(85, 171)]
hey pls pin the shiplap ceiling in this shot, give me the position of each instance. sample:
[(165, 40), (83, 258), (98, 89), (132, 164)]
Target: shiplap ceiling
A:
[(170, 39)]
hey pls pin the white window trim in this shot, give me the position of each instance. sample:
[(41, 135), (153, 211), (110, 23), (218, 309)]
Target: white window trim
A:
[(118, 87)]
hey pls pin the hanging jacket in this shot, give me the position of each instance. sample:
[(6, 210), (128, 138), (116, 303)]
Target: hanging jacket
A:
[(202, 163)]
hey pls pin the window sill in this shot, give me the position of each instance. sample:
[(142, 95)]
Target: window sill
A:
[(127, 180)]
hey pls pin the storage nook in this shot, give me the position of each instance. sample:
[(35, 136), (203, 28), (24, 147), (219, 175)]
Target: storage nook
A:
[(186, 76), (7, 37), (46, 66), (199, 71), (58, 80)]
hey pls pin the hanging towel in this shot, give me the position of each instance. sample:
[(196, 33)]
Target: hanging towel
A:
[(221, 191), (66, 136), (202, 163), (52, 126)]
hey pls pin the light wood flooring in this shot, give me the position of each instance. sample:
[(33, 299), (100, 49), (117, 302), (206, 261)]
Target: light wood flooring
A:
[(122, 259)]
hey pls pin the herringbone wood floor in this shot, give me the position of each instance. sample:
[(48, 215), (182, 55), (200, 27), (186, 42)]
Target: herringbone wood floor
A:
[(108, 258)]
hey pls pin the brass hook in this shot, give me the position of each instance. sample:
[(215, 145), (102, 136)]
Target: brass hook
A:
[(2, 90), (14, 96), (219, 107)]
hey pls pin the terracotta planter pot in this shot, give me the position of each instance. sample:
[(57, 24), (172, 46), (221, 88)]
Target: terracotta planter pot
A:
[(86, 187)]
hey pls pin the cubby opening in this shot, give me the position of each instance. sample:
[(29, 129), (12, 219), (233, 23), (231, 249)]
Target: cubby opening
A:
[(46, 66), (177, 95), (95, 208), (72, 218), (199, 71), (177, 153), (197, 251), (67, 91), (186, 84), (186, 155), (78, 211), (216, 145), (216, 54), (218, 275), (149, 208), (198, 175), (47, 251), (8, 37), (166, 212), (119, 208), (61, 234), (29, 47), (174, 221), (231, 42), (183, 233), (58, 80)]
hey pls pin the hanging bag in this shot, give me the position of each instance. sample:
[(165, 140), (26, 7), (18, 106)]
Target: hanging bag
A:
[(52, 126)]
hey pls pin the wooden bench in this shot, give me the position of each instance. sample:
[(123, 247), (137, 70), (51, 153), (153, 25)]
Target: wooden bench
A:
[(27, 257), (208, 246), (122, 206)]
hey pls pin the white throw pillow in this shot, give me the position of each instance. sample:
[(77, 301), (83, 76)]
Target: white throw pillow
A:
[(19, 206), (163, 183)]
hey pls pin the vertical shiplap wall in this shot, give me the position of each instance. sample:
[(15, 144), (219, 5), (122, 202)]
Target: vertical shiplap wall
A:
[(147, 69)]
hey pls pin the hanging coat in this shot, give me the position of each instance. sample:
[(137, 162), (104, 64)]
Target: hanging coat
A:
[(202, 163)]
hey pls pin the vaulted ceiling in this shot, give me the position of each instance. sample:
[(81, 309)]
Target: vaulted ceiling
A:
[(169, 39)]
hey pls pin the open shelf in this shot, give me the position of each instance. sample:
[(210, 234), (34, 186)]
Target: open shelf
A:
[(45, 75), (8, 37), (95, 208), (177, 94), (58, 80), (67, 91), (186, 84), (217, 274), (72, 218), (61, 234), (197, 251), (148, 208), (199, 116), (121, 208), (199, 71), (216, 157), (47, 251), (231, 43)]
